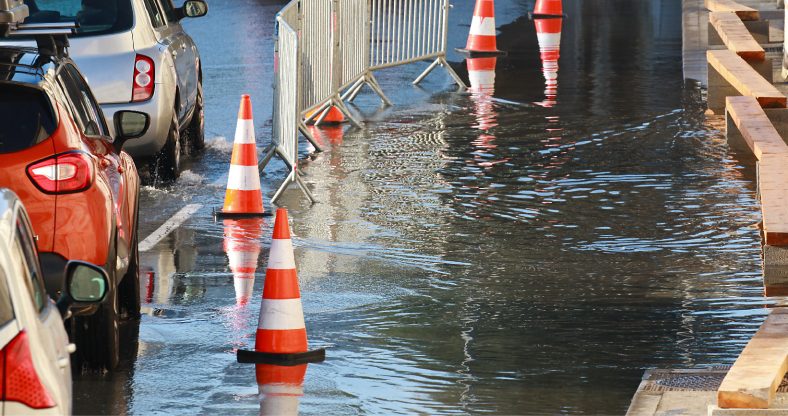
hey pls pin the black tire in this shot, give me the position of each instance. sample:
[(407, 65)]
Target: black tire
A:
[(129, 287), (167, 164), (195, 132), (98, 336)]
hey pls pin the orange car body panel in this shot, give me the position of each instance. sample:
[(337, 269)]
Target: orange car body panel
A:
[(80, 225)]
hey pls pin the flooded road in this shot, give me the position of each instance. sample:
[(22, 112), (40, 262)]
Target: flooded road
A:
[(529, 247)]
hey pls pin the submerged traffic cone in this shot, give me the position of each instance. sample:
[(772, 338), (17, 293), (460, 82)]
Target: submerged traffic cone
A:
[(242, 245), (243, 197), (281, 333), (548, 34), (481, 37), (334, 116), (280, 388), (548, 9)]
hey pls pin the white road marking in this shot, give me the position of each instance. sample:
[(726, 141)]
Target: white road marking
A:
[(171, 224)]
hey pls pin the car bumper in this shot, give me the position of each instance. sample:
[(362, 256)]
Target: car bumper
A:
[(159, 108)]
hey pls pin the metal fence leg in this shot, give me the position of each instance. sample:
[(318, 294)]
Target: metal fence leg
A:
[(318, 111), (426, 71), (308, 134), (450, 70), (282, 187), (323, 114), (352, 88), (303, 187), (373, 83), (267, 154), (341, 106), (354, 93)]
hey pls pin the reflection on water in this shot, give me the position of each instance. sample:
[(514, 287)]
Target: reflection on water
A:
[(242, 245), (548, 34), (280, 388), (473, 254)]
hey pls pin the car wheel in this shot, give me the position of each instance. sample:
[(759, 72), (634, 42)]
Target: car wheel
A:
[(129, 287), (196, 130), (98, 336), (167, 165)]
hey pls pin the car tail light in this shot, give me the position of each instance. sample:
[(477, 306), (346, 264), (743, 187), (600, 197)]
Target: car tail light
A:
[(20, 382), (65, 173), (143, 79)]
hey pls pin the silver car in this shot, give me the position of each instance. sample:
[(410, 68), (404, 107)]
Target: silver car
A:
[(136, 56)]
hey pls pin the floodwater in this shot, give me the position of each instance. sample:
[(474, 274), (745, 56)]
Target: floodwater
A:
[(527, 248)]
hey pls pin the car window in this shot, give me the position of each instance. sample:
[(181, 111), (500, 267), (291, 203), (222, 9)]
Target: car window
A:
[(154, 12), (95, 17), (24, 249), (169, 10), (6, 304), (88, 113), (26, 117)]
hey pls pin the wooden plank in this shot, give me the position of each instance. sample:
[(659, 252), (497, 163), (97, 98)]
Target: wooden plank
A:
[(744, 12), (735, 36), (753, 380), (745, 79), (755, 127), (773, 188)]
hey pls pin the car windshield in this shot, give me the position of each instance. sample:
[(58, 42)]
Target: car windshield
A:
[(26, 117), (95, 17)]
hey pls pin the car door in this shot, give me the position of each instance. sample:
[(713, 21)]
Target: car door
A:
[(96, 141), (46, 330), (171, 36)]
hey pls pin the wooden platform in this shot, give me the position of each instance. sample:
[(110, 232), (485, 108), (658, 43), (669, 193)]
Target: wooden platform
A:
[(744, 12), (736, 36), (773, 189), (754, 127), (753, 380), (744, 79)]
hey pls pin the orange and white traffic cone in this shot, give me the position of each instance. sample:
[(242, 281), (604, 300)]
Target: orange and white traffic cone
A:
[(243, 197), (280, 388), (281, 332), (548, 34), (482, 37), (333, 116), (545, 9), (242, 245)]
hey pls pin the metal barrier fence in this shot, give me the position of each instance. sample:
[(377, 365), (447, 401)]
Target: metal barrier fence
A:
[(326, 52)]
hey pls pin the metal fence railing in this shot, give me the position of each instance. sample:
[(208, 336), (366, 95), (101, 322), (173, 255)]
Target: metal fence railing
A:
[(326, 52)]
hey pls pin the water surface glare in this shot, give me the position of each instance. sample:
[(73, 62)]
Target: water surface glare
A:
[(529, 247)]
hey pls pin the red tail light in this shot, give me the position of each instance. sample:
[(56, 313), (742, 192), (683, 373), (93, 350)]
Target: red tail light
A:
[(143, 79), (20, 382), (65, 173)]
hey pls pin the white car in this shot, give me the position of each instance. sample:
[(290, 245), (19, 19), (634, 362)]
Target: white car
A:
[(136, 56), (34, 347)]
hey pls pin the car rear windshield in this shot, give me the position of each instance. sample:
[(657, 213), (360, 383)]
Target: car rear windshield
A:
[(26, 117), (95, 17)]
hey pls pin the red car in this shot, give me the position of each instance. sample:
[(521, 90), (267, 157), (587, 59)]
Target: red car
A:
[(80, 189)]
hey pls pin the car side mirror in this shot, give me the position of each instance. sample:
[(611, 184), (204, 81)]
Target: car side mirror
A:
[(86, 284), (129, 125), (194, 8)]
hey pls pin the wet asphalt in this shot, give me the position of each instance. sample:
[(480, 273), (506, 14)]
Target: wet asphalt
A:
[(530, 253)]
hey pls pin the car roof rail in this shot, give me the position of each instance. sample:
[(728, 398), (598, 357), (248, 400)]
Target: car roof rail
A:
[(51, 38)]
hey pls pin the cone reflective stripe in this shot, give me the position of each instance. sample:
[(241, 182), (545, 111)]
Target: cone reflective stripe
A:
[(242, 245), (280, 388), (482, 37), (548, 8), (481, 74), (281, 333), (243, 196)]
